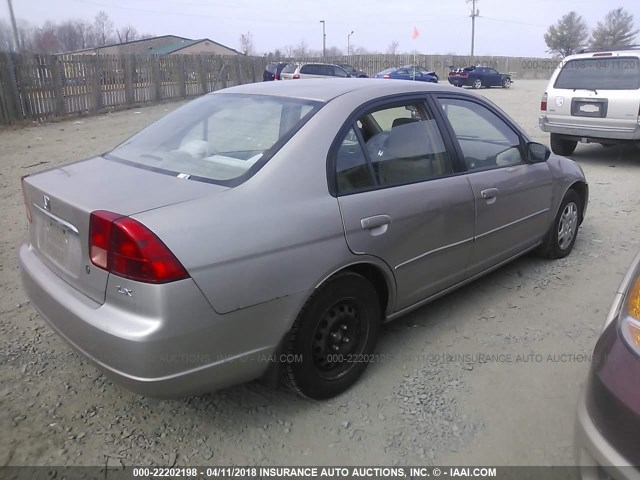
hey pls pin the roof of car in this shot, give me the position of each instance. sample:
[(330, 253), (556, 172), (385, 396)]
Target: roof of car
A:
[(326, 89)]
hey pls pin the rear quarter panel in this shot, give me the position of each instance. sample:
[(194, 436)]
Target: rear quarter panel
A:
[(278, 234)]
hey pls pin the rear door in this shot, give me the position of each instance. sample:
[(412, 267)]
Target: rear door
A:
[(400, 200), (597, 92), (512, 197)]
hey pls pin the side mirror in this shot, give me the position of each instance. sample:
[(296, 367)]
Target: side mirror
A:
[(537, 152)]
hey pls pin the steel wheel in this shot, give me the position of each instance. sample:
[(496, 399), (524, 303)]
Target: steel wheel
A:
[(333, 337), (339, 336), (567, 225)]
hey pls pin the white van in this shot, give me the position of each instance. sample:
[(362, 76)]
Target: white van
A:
[(593, 97)]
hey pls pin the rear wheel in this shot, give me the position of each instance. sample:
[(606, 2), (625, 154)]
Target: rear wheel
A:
[(506, 83), (564, 230), (477, 83), (562, 146), (333, 336)]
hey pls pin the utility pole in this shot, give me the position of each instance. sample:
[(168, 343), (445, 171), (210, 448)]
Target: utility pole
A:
[(15, 27), (324, 40), (349, 44), (474, 13)]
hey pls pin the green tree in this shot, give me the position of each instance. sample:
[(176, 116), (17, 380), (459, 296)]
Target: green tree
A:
[(615, 30), (568, 36)]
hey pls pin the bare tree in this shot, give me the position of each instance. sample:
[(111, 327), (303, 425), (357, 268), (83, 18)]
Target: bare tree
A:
[(288, 51), (45, 40), (103, 28), (334, 52), (69, 36), (301, 50), (26, 35), (615, 30), (6, 37), (568, 36), (392, 49), (86, 34), (127, 33), (246, 43)]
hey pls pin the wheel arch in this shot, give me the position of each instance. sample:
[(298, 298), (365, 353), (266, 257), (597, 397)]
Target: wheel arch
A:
[(582, 190)]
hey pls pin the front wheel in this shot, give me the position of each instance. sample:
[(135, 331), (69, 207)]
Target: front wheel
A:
[(506, 83), (562, 146), (564, 230), (333, 337)]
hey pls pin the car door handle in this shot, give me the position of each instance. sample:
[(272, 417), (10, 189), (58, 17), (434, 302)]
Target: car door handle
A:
[(489, 193), (376, 221)]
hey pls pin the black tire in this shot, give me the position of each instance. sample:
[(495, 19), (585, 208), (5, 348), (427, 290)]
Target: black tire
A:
[(477, 83), (557, 244), (332, 337), (562, 146), (506, 82)]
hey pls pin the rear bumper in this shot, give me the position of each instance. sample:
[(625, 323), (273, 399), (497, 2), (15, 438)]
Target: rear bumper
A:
[(590, 132), (170, 344)]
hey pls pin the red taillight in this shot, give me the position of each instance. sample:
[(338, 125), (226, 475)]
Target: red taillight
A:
[(125, 247), (464, 75), (24, 198), (543, 102), (386, 76), (276, 76), (296, 76)]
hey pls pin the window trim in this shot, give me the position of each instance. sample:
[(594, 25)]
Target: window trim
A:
[(421, 98), (522, 136)]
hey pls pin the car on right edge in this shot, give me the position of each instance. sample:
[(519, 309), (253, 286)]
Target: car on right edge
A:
[(593, 97), (608, 420)]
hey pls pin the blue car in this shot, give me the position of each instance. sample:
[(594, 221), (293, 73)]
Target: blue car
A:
[(407, 73)]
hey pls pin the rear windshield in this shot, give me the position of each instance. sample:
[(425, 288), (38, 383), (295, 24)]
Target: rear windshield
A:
[(619, 73), (221, 138), (289, 68)]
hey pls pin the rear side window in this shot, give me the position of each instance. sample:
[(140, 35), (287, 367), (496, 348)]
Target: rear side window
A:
[(312, 69), (612, 73), (402, 145), (218, 137)]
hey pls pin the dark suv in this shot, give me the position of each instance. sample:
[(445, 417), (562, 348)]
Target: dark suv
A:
[(272, 71)]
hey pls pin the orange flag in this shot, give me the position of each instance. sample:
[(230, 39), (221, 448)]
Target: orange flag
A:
[(415, 33)]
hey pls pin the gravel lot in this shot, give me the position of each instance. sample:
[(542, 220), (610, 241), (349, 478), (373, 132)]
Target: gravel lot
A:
[(412, 409)]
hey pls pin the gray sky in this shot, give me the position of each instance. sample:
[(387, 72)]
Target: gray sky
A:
[(505, 27)]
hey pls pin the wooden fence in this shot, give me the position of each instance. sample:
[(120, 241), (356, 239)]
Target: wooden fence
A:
[(38, 87)]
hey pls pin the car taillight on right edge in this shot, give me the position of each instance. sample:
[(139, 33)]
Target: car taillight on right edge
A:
[(543, 102), (125, 247), (630, 315), (24, 198)]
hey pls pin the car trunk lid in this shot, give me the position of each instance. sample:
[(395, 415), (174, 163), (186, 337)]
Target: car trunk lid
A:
[(60, 202)]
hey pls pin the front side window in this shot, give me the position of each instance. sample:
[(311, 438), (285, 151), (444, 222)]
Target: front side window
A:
[(485, 139), (217, 137), (401, 144), (339, 72)]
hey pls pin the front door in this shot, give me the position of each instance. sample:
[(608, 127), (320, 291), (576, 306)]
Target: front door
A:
[(512, 197)]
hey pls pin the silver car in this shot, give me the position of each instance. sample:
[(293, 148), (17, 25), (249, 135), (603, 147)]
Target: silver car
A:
[(295, 71), (267, 230)]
